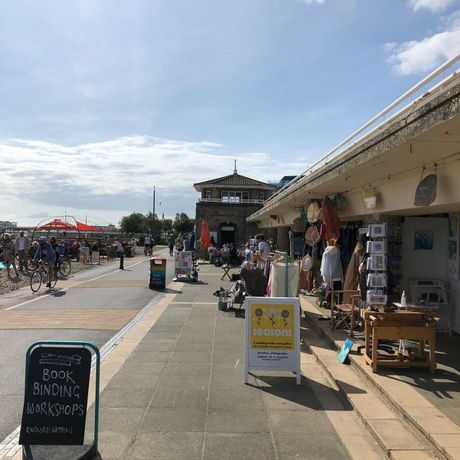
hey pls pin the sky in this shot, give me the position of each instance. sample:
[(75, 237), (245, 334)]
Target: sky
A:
[(102, 100)]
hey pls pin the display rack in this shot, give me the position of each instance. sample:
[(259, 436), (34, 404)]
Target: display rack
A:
[(185, 266), (377, 279)]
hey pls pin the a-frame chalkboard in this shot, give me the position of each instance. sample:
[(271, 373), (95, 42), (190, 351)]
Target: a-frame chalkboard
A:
[(56, 396)]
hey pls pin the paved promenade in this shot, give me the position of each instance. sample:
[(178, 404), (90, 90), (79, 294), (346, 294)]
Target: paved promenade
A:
[(174, 389), (172, 383)]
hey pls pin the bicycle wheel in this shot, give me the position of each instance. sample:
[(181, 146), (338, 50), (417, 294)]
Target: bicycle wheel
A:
[(46, 279), (36, 280), (65, 268), (53, 283)]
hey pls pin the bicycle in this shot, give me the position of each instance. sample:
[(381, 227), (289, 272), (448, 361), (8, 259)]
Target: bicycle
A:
[(40, 276), (64, 267)]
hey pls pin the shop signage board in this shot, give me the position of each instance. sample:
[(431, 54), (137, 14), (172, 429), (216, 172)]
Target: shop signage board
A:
[(272, 335), (56, 396), (343, 353)]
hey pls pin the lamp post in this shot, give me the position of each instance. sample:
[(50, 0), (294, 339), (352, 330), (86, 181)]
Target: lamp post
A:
[(153, 210)]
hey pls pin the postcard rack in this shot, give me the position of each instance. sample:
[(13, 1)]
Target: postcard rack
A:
[(377, 281)]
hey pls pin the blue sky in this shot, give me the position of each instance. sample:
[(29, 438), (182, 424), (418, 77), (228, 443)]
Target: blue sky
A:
[(102, 99)]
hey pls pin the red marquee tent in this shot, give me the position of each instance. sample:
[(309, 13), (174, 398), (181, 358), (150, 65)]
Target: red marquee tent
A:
[(87, 228), (57, 224)]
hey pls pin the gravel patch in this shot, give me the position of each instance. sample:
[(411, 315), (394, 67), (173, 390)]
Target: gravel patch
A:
[(13, 283)]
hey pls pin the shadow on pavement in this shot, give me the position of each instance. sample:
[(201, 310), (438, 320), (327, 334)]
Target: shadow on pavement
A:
[(286, 388)]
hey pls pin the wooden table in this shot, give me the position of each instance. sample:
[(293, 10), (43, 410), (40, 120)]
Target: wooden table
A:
[(400, 325)]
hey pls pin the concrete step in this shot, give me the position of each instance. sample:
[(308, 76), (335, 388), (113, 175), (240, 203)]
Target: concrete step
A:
[(398, 437)]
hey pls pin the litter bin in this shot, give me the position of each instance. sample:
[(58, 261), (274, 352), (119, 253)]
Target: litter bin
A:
[(157, 273)]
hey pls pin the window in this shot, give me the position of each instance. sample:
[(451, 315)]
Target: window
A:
[(208, 194), (262, 196), (231, 197)]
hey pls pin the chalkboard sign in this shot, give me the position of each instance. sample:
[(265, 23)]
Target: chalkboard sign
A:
[(56, 396)]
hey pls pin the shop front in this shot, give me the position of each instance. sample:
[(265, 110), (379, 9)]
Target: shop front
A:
[(402, 179)]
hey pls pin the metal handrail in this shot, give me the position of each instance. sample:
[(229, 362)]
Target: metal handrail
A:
[(337, 150), (220, 200)]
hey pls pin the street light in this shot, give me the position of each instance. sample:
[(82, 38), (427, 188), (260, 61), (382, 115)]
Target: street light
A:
[(153, 210)]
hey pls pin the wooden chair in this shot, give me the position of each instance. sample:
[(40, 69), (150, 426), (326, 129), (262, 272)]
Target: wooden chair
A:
[(346, 315)]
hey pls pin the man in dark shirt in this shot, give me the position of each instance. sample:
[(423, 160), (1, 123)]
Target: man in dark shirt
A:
[(47, 254)]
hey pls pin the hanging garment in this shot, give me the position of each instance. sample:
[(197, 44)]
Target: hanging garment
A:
[(298, 226), (313, 212), (331, 221), (312, 235), (362, 270), (331, 267), (348, 240), (303, 216), (298, 244), (278, 279), (351, 277)]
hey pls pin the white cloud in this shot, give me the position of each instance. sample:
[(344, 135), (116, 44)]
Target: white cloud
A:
[(432, 5), (419, 56), (109, 179)]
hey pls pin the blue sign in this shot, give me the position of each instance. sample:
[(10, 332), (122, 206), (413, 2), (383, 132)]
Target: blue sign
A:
[(343, 353)]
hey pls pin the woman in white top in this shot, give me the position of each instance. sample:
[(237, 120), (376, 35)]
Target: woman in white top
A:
[(263, 250), (331, 265)]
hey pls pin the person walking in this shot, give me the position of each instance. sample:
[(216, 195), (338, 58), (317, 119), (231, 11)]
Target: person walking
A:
[(263, 251), (120, 253), (22, 246), (9, 253), (147, 245), (171, 245)]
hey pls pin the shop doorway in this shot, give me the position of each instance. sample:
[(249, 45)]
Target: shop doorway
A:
[(227, 233)]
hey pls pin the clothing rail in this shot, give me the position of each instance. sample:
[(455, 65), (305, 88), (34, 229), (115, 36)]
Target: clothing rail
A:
[(286, 278)]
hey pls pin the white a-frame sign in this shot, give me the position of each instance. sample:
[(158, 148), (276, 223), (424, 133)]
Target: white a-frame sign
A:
[(272, 336)]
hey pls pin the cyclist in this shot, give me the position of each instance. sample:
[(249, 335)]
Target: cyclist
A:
[(47, 254), (56, 248)]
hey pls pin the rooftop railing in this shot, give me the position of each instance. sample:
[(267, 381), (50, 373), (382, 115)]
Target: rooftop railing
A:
[(382, 118), (230, 201)]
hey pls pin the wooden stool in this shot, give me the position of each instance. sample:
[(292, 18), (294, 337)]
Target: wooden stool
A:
[(226, 269)]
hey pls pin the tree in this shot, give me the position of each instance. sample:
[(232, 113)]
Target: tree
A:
[(136, 222), (166, 225), (183, 224)]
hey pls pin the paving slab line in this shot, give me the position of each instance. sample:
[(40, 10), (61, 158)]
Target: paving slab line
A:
[(396, 433)]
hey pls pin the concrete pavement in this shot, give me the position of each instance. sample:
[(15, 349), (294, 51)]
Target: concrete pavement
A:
[(70, 312), (396, 406), (173, 388)]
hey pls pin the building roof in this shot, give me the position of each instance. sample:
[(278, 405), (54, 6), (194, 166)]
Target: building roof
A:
[(232, 181)]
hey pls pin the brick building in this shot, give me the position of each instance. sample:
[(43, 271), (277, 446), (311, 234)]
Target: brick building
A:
[(226, 202)]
